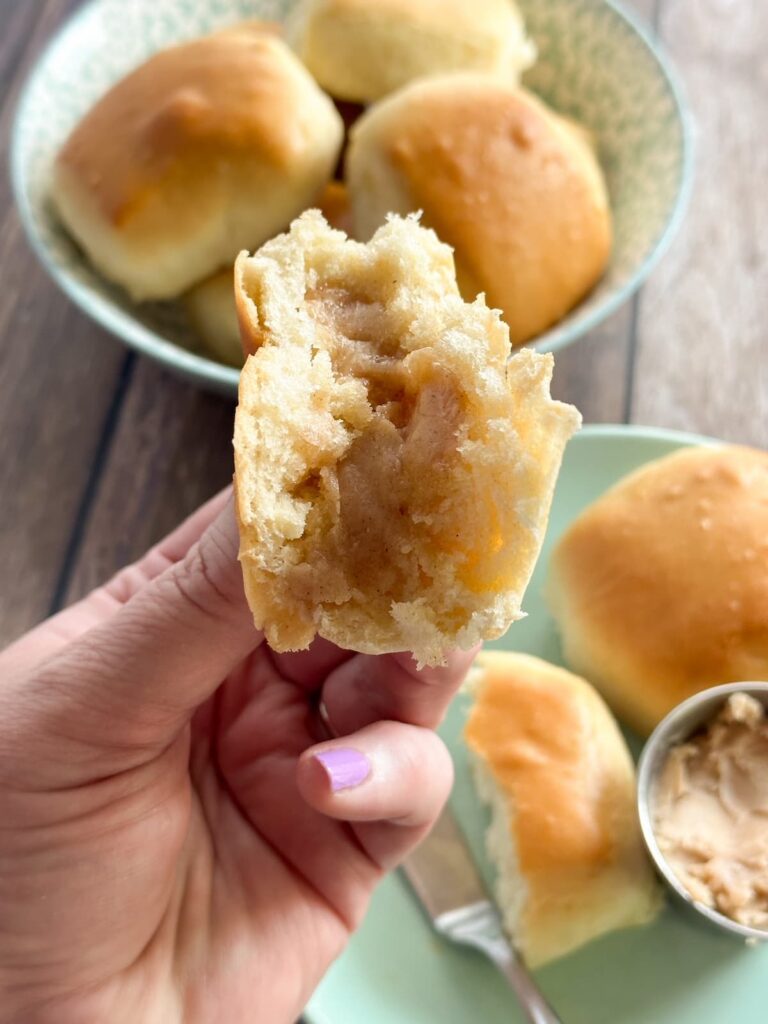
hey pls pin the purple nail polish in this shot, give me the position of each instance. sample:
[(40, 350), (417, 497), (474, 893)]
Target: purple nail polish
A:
[(345, 767)]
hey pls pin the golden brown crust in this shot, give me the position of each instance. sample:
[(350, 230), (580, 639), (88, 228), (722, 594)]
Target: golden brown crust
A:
[(394, 473), (221, 142), (564, 786), (512, 187), (210, 307), (335, 207), (361, 51), (660, 587), (203, 101)]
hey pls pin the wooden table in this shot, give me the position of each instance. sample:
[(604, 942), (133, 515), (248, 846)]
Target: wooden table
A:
[(101, 452)]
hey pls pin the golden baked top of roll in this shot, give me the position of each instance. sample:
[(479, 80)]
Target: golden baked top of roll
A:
[(660, 587), (553, 765), (514, 188), (208, 147), (200, 101), (362, 50)]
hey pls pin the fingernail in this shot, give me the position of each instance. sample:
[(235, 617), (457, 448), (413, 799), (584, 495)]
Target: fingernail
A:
[(345, 767)]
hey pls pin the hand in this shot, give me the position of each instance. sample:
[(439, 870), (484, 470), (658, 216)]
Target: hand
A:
[(175, 845)]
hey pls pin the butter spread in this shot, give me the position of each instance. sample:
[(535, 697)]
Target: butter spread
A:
[(710, 810)]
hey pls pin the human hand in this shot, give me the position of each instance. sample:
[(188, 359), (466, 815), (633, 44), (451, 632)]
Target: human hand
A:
[(175, 844)]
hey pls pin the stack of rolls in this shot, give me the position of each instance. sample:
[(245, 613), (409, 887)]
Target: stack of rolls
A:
[(408, 105)]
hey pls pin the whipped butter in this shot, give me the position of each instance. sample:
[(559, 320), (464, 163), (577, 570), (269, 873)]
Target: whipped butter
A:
[(710, 810)]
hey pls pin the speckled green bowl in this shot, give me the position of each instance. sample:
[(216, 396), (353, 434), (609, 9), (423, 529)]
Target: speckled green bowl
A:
[(595, 64)]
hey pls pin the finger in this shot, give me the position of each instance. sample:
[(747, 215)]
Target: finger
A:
[(135, 680), (121, 588), (53, 634), (390, 780), (368, 688), (309, 668)]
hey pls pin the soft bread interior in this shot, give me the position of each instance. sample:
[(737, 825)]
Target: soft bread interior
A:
[(210, 305), (394, 472), (511, 889)]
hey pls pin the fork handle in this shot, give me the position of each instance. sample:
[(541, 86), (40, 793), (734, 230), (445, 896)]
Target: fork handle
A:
[(535, 1007), (479, 925)]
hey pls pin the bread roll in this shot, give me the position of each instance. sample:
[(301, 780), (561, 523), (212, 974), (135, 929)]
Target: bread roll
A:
[(393, 471), (515, 189), (360, 50), (209, 147), (210, 305), (334, 206), (564, 836), (660, 587), (212, 314)]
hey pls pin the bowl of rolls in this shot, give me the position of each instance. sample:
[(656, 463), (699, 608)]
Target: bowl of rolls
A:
[(544, 142)]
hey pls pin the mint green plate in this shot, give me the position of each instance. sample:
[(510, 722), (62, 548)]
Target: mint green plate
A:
[(397, 971), (596, 64)]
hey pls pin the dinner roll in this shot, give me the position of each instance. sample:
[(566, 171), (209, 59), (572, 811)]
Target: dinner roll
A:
[(393, 470), (361, 50), (209, 147), (515, 189), (660, 587), (212, 314), (564, 836), (210, 305), (334, 206)]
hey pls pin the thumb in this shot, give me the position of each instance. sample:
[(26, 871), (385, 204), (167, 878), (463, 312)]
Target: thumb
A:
[(133, 682)]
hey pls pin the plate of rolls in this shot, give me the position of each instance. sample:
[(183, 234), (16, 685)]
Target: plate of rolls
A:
[(652, 585), (545, 142)]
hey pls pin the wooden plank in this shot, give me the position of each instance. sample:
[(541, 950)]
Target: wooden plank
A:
[(702, 354), (58, 375), (172, 449), (592, 373), (17, 20)]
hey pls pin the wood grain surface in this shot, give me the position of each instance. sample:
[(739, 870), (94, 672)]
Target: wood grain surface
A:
[(702, 340), (172, 449), (102, 452), (58, 375)]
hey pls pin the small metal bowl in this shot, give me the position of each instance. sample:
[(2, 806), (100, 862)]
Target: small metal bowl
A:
[(678, 726)]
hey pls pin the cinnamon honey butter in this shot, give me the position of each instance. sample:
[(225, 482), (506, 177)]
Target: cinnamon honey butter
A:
[(710, 811)]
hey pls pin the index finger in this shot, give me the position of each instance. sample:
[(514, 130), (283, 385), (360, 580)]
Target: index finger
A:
[(388, 687)]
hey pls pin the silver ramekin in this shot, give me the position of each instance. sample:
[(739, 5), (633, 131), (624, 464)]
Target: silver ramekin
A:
[(678, 726)]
